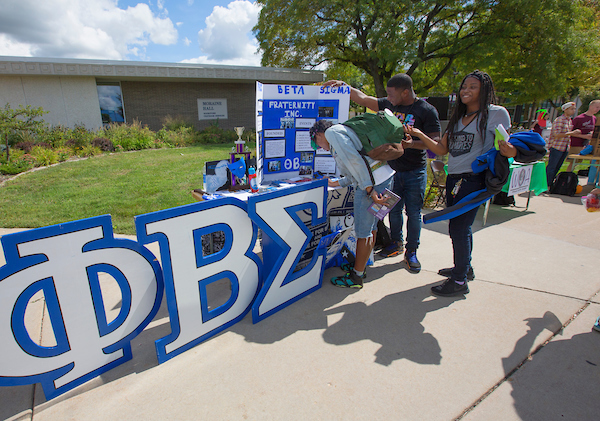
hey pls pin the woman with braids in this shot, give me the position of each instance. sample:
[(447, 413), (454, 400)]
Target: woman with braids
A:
[(470, 133)]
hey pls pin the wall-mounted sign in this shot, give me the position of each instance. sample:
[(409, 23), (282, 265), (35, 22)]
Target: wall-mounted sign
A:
[(211, 109)]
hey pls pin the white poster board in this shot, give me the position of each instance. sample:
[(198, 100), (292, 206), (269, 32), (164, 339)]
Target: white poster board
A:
[(520, 179)]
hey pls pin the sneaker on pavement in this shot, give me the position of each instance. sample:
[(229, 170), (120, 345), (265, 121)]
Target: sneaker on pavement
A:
[(394, 249), (450, 289), (349, 267), (348, 280), (410, 257), (596, 326), (447, 272)]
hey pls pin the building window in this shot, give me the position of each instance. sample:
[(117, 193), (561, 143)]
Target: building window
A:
[(111, 103)]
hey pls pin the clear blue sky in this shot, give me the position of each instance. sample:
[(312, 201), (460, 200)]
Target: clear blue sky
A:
[(191, 31)]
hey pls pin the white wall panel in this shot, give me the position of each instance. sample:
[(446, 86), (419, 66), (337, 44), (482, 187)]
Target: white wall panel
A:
[(68, 100)]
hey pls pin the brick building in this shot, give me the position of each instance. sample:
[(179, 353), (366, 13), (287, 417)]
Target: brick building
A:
[(93, 92)]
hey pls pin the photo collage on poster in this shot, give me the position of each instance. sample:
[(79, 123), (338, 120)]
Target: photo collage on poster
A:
[(285, 114)]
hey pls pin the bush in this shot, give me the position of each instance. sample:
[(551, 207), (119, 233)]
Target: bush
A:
[(44, 156), (63, 153), (176, 123), (182, 136), (130, 137), (13, 167), (25, 137), (72, 144), (22, 163), (80, 136), (14, 138), (214, 134), (25, 146), (58, 144), (103, 144), (56, 136), (28, 159), (89, 150)]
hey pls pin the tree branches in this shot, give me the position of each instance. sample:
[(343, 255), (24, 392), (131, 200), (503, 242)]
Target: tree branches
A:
[(429, 39)]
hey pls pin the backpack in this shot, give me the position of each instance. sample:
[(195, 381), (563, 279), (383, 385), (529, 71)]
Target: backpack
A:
[(565, 183), (503, 199), (384, 237), (380, 133)]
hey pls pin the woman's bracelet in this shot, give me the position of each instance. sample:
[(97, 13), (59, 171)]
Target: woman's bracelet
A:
[(369, 193)]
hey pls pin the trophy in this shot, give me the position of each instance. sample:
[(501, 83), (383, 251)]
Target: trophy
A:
[(239, 143)]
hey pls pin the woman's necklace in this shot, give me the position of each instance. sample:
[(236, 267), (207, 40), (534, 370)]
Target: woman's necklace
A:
[(467, 117)]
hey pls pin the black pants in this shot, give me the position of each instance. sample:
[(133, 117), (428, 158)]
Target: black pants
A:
[(459, 227)]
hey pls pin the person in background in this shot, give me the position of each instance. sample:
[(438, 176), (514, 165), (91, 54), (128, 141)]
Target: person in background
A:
[(470, 133), (540, 122), (559, 141), (410, 180), (584, 124)]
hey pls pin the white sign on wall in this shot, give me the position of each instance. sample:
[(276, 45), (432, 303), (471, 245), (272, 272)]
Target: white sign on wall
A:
[(211, 109)]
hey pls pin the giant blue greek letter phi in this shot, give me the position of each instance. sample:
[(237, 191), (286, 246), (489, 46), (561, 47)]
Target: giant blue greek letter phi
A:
[(64, 262)]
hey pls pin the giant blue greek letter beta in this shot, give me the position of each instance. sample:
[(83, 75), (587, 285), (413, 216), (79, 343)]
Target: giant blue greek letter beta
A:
[(188, 271)]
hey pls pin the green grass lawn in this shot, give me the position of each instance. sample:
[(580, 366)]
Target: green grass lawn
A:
[(123, 185)]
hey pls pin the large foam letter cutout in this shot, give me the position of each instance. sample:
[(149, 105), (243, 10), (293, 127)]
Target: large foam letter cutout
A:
[(285, 238), (64, 261), (187, 271)]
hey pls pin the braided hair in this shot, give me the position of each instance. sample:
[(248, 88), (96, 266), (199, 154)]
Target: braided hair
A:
[(487, 96), (320, 126)]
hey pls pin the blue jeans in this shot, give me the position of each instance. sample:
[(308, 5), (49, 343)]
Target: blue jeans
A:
[(593, 175), (364, 221), (410, 186), (459, 227), (555, 161)]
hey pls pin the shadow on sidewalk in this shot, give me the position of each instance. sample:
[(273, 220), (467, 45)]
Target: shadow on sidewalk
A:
[(302, 315), (394, 322), (561, 380), (144, 358)]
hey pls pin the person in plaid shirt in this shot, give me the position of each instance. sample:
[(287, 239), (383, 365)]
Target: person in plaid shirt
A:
[(559, 142)]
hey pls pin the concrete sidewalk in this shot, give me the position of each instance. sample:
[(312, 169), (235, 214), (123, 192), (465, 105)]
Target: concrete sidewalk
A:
[(390, 351)]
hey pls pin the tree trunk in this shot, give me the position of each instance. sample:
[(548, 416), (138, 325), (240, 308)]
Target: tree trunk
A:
[(380, 88), (380, 91)]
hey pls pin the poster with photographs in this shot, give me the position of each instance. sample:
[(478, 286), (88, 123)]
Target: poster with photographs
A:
[(285, 114)]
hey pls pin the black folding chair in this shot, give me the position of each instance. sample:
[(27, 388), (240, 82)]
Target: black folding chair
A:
[(438, 182)]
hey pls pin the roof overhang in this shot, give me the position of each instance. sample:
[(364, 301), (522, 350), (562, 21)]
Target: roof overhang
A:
[(117, 71)]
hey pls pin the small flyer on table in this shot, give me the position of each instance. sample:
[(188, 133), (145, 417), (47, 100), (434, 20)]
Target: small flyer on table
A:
[(380, 211)]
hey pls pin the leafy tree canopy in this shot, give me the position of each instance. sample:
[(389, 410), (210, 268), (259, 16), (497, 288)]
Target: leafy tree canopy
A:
[(534, 50)]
